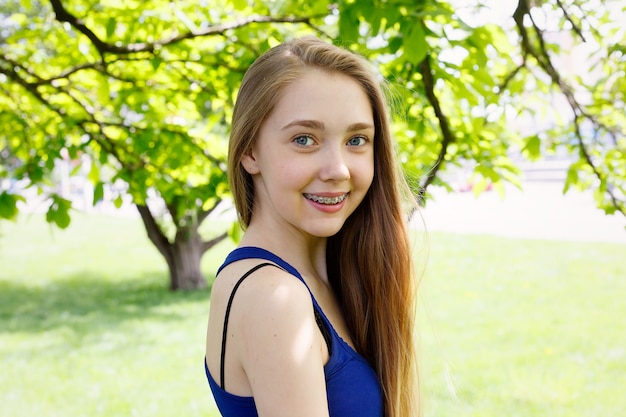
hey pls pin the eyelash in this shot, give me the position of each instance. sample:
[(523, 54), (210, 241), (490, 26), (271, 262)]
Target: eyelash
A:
[(308, 137), (362, 138)]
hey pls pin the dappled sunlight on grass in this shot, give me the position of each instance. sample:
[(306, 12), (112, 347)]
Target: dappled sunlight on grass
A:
[(523, 327), (89, 304), (509, 327), (88, 326)]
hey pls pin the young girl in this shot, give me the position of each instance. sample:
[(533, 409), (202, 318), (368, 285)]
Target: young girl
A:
[(313, 313)]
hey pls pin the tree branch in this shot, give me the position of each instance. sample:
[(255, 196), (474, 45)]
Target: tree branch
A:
[(31, 88), (63, 15), (99, 136), (617, 203), (155, 234), (575, 27), (66, 74), (545, 63), (203, 214), (444, 125), (105, 142), (206, 245), (510, 77)]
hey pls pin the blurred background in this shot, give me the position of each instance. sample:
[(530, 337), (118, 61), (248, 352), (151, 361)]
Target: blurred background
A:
[(115, 210)]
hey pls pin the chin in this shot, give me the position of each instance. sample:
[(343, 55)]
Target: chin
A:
[(325, 232)]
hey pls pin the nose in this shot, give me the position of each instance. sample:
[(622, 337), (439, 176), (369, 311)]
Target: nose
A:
[(334, 164)]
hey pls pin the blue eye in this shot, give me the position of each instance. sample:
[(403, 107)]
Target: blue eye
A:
[(357, 141), (303, 140)]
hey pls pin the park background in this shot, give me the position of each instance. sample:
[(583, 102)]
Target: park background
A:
[(521, 313), (521, 300)]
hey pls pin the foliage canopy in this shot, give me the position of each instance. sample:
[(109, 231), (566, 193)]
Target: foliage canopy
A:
[(137, 96)]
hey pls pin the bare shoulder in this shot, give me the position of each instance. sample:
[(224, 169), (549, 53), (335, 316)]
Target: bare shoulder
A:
[(268, 304), (270, 298), (270, 288), (273, 338)]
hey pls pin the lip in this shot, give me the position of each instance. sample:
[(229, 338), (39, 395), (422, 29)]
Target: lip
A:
[(327, 208)]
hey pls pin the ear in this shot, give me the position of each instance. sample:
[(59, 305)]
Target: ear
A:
[(249, 163)]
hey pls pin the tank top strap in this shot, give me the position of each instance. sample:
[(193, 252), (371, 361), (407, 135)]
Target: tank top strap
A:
[(227, 316), (254, 252)]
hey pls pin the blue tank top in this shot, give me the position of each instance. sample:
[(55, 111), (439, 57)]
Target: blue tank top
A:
[(352, 388)]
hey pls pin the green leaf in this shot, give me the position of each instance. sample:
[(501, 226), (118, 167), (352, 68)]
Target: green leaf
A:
[(532, 148), (110, 28), (572, 177), (349, 24), (104, 90), (94, 173), (156, 62), (62, 219), (8, 205), (98, 193), (395, 44), (415, 45), (58, 212)]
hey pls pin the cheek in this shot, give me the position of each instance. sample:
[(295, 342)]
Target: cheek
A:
[(286, 175), (365, 175), (290, 172)]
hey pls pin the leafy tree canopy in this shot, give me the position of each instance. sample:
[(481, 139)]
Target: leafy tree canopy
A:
[(140, 94)]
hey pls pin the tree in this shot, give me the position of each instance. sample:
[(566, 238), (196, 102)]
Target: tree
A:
[(466, 85), (146, 91)]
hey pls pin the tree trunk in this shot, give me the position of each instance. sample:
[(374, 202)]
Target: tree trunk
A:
[(184, 254), (184, 260)]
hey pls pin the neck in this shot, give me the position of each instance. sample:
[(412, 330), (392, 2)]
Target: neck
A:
[(305, 253)]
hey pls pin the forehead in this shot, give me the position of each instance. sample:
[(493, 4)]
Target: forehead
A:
[(322, 95)]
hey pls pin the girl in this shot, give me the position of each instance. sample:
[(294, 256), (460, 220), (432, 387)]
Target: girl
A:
[(313, 313)]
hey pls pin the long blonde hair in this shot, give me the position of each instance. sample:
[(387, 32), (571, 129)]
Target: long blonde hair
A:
[(369, 261)]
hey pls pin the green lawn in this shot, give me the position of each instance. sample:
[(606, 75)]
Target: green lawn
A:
[(509, 327)]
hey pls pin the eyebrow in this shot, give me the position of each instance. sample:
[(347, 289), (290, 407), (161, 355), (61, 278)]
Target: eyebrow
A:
[(315, 124)]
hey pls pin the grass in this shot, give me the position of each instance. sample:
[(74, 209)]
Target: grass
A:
[(509, 327), (88, 327), (524, 328)]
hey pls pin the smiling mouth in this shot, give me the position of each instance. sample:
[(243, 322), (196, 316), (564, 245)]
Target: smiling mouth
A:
[(326, 200)]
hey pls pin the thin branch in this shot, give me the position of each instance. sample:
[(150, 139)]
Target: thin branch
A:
[(203, 214), (444, 125), (510, 77), (14, 64), (66, 74), (63, 15), (617, 204), (183, 72), (208, 244), (545, 62), (32, 89), (575, 27), (543, 57), (155, 234), (100, 137)]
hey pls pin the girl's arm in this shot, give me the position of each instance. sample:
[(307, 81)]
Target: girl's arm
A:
[(281, 349)]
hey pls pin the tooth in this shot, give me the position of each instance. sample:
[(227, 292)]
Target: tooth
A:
[(326, 200)]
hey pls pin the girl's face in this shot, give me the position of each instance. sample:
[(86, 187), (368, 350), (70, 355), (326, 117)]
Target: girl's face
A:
[(313, 160)]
